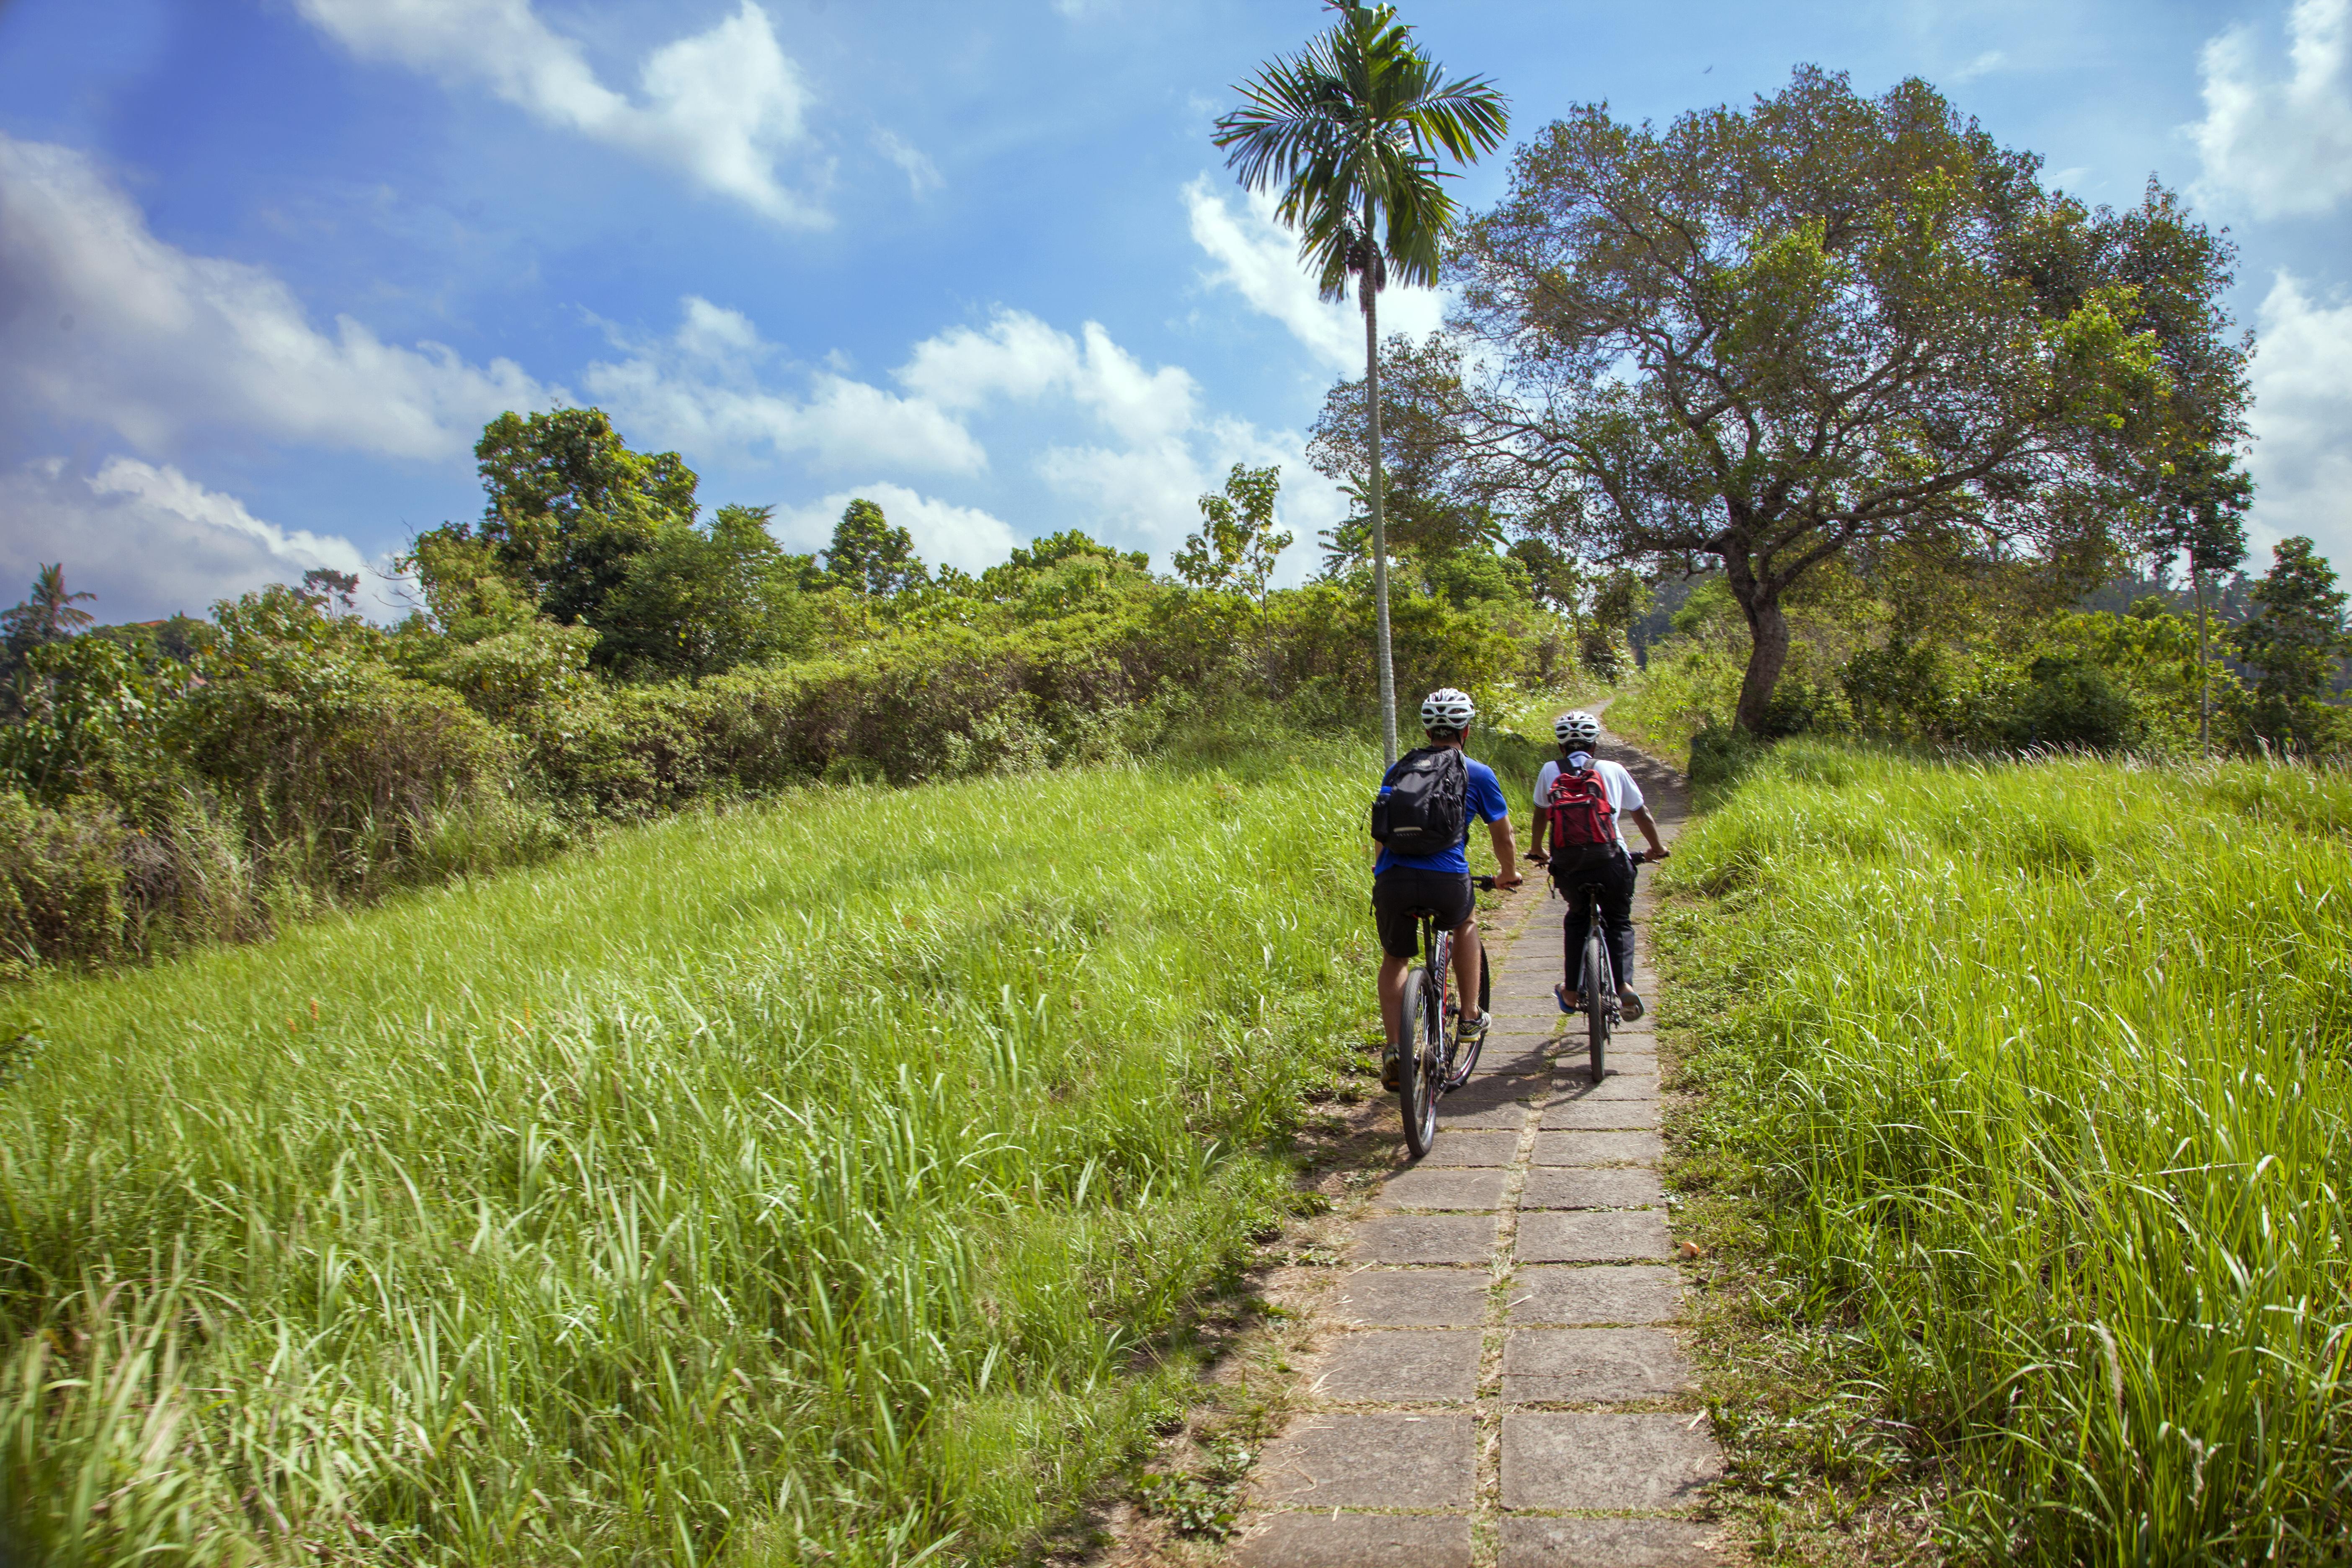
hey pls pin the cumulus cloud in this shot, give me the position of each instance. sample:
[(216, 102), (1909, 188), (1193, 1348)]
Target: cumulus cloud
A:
[(101, 323), (944, 533), (2281, 145), (2303, 406), (150, 540), (702, 391), (724, 106), (1984, 64), (1258, 258), (1021, 358)]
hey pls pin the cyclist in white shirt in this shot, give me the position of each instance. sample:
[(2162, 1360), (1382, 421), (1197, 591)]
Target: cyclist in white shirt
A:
[(1612, 866)]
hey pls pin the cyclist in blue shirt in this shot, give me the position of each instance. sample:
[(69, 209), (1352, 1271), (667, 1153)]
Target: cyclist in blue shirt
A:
[(1403, 883)]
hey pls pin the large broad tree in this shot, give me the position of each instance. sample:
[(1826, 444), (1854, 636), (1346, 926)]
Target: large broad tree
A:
[(570, 505), (1760, 337), (1349, 129)]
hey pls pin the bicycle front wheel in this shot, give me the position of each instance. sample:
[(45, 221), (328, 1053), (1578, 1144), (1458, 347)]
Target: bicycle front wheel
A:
[(1418, 1055), (1599, 991)]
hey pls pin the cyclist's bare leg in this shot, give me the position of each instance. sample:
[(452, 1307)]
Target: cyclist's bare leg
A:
[(1466, 966), (1392, 974)]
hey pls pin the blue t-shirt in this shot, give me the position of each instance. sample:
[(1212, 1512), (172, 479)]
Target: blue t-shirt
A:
[(1485, 801)]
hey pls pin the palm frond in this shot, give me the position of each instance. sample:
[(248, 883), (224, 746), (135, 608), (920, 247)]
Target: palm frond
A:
[(1349, 129)]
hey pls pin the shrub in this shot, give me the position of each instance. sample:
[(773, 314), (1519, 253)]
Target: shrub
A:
[(61, 876)]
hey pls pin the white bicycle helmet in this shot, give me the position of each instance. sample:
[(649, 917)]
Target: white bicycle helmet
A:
[(1577, 729), (1446, 709)]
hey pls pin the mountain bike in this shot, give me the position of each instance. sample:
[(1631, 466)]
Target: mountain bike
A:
[(1431, 1061), (1602, 1009)]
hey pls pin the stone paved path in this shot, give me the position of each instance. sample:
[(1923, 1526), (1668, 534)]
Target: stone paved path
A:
[(1503, 1388)]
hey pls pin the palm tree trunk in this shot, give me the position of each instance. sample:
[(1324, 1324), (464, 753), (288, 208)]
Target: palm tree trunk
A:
[(2204, 670), (1386, 669)]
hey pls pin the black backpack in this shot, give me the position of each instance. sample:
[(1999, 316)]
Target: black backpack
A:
[(1423, 806)]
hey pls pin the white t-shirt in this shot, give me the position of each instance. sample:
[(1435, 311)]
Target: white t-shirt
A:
[(1623, 794)]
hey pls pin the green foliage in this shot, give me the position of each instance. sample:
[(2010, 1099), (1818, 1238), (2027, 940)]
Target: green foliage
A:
[(1350, 129), (570, 504), (1238, 543), (699, 600), (49, 614), (869, 556), (1750, 396), (2033, 1077), (61, 875), (796, 1184), (2295, 643)]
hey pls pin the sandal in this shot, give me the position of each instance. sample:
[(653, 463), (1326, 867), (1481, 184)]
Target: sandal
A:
[(1561, 994), (1630, 1005)]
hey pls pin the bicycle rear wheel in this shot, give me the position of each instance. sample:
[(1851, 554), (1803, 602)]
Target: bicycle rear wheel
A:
[(1417, 1058), (1468, 1063), (1600, 992)]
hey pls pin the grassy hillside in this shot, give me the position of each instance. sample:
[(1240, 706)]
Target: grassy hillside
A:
[(789, 1185), (2035, 1076)]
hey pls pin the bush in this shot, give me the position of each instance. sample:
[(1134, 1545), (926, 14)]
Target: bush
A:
[(61, 876)]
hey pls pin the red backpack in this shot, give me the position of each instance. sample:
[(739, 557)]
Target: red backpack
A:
[(1582, 816)]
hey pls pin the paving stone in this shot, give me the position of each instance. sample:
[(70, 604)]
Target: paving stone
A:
[(1597, 1459), (1430, 1238), (1484, 1090), (1510, 1062), (1401, 1366), (1509, 1116), (1350, 1540), (1597, 1148), (1586, 1366), (1582, 1114), (1610, 1188), (1605, 1293), (1607, 1543), (1422, 1299), (1575, 1071), (1377, 1459), (1444, 1189), (1622, 1083), (1467, 1146), (1593, 1236)]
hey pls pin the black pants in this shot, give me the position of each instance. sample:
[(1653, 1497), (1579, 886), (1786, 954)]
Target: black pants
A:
[(1573, 871)]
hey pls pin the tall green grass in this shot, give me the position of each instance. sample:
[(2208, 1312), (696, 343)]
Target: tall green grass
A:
[(795, 1186), (2039, 1069)]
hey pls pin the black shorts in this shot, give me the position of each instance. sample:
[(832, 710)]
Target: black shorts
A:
[(1400, 890)]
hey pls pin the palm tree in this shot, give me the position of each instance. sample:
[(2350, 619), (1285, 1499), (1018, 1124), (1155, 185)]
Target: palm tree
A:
[(1350, 129), (50, 613)]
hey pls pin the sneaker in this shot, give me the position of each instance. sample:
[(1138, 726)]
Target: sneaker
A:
[(1470, 1029), (1390, 1066), (1629, 1004)]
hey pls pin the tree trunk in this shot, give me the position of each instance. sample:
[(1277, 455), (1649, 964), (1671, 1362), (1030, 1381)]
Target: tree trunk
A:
[(1385, 669), (1768, 651), (2204, 669)]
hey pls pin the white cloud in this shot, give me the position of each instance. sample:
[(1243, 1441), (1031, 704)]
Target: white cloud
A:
[(1258, 258), (2282, 147), (724, 106), (922, 174), (150, 540), (701, 390), (2301, 462), (107, 324), (944, 533), (1021, 359), (1984, 64)]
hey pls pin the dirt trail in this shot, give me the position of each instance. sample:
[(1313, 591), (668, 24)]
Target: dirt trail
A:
[(1497, 1379)]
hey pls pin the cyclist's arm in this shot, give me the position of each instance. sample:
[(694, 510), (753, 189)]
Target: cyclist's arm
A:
[(1640, 817), (1507, 851)]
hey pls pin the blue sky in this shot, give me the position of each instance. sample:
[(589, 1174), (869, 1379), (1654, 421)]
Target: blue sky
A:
[(267, 266)]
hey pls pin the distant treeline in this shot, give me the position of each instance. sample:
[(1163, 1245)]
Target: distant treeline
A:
[(595, 648)]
